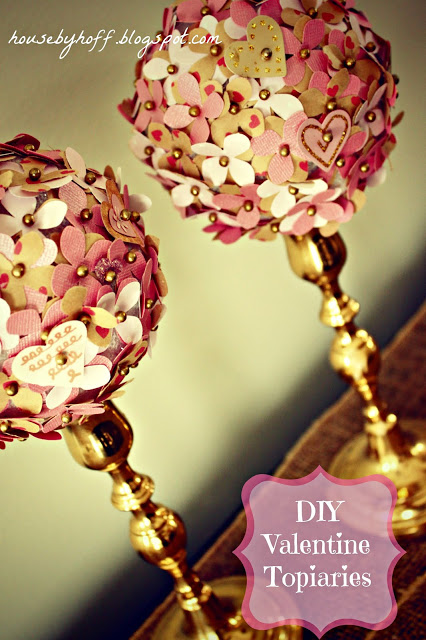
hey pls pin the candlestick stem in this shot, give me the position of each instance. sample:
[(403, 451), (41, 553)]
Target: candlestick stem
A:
[(394, 448), (103, 442)]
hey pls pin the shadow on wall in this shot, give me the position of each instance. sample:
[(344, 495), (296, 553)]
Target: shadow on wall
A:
[(121, 607)]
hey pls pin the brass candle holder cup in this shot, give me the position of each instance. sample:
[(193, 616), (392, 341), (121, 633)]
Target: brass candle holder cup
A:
[(203, 612), (392, 447)]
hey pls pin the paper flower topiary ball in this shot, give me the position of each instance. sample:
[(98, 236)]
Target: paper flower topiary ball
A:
[(265, 118), (80, 288)]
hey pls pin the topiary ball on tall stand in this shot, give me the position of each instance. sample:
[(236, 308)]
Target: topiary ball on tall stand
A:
[(270, 119)]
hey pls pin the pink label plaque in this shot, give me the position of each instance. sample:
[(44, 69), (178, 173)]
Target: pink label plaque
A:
[(319, 552)]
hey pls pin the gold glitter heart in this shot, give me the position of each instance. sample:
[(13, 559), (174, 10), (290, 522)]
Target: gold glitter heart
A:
[(263, 55), (311, 137)]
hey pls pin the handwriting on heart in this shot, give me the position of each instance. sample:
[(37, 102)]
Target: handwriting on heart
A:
[(60, 362), (322, 151), (263, 55)]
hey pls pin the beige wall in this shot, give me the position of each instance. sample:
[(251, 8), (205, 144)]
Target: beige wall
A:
[(240, 365)]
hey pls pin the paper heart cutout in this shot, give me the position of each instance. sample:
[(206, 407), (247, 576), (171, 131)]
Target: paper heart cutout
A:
[(254, 122), (262, 55), (310, 137), (37, 365), (237, 96), (350, 44), (102, 331), (157, 135)]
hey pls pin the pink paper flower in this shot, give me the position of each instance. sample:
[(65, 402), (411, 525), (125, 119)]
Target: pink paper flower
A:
[(313, 212), (72, 244), (246, 204), (28, 323), (74, 410), (331, 11), (115, 260), (150, 110), (94, 225), (282, 148), (242, 12), (363, 170), (303, 53), (194, 112)]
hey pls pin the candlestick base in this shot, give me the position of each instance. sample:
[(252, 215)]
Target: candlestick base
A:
[(230, 591), (405, 466)]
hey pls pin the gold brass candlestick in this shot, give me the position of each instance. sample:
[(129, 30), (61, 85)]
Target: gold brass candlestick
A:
[(103, 442), (396, 449)]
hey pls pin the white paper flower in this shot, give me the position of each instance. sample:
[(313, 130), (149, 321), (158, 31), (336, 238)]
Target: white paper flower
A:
[(185, 193), (129, 331), (138, 143), (180, 56), (7, 340), (77, 163), (215, 168), (283, 104), (49, 215), (378, 124), (284, 200)]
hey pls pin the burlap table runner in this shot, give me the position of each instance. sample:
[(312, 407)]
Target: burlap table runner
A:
[(402, 382)]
